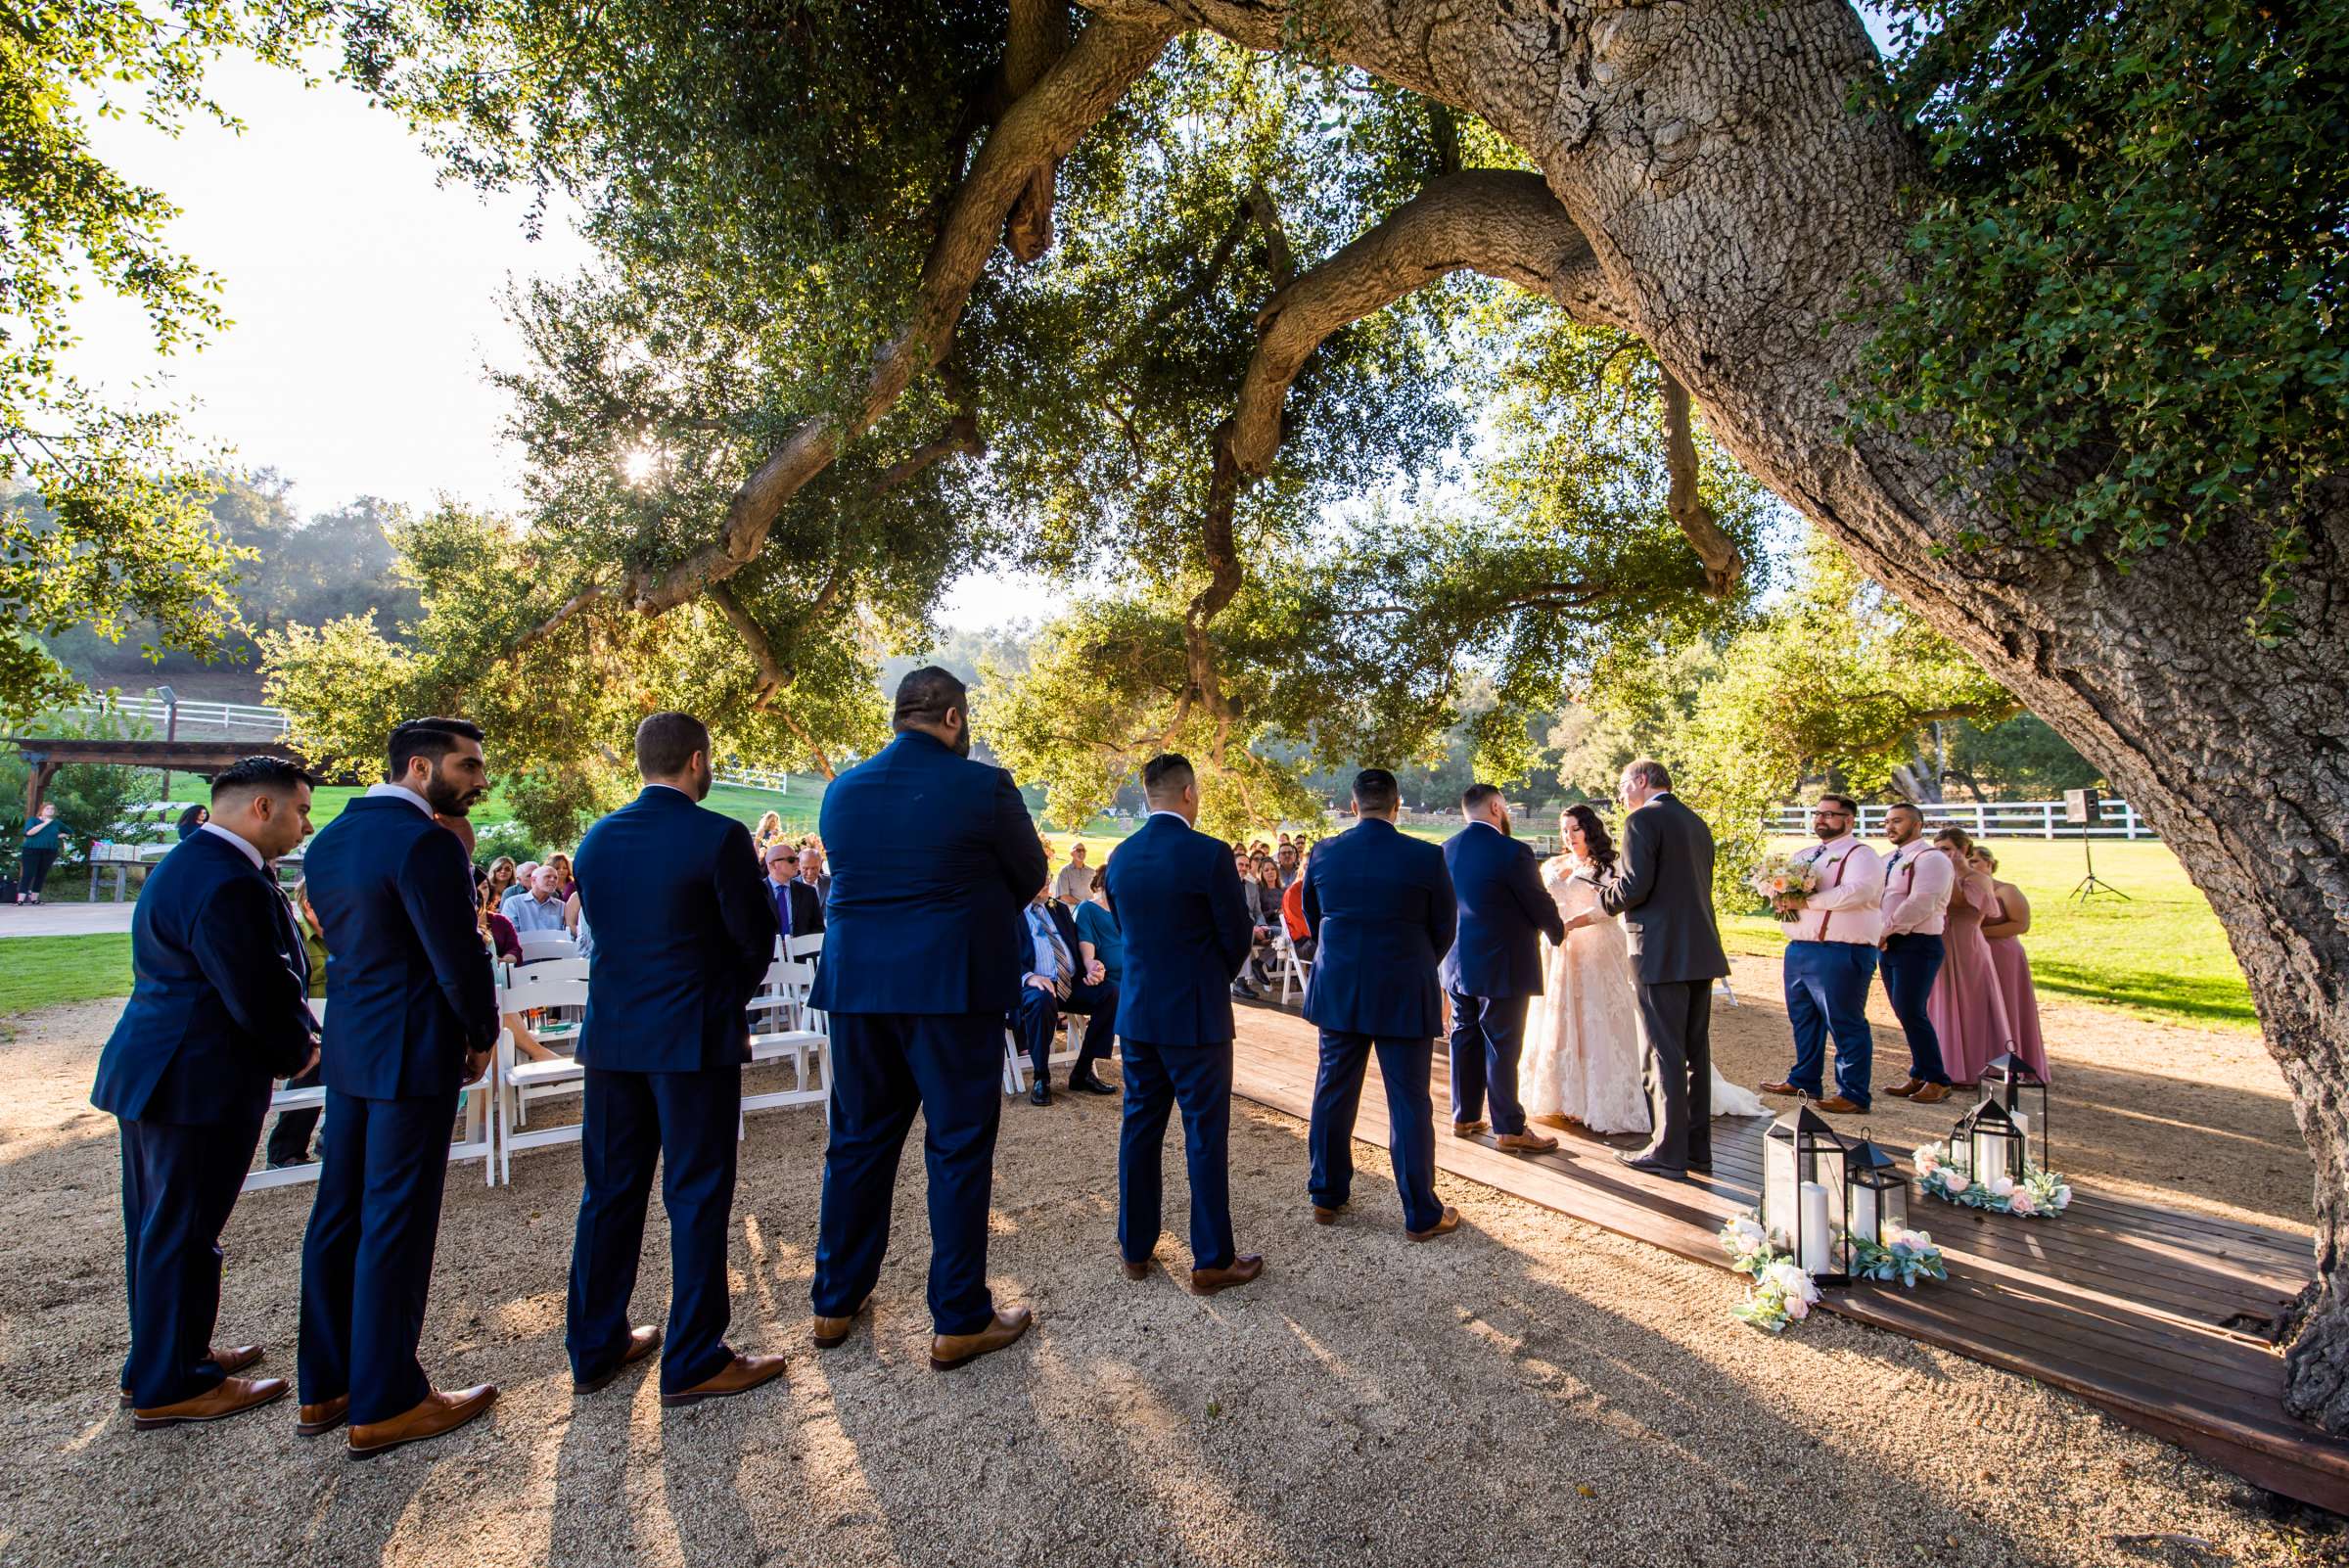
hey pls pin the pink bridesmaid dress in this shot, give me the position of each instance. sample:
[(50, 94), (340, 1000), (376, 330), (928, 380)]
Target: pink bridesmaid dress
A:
[(2014, 968), (1968, 1012)]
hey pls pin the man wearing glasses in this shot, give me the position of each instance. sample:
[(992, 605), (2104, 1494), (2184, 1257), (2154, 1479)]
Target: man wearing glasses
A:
[(1831, 960)]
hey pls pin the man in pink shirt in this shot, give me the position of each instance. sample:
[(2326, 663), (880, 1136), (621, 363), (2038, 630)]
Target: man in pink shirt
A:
[(1830, 958), (1918, 881)]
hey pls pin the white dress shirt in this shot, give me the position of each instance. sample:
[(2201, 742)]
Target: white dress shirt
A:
[(245, 848), (1851, 891), (1918, 879), (385, 792)]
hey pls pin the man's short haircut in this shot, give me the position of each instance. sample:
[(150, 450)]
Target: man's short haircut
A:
[(1650, 772), (781, 847), (1906, 806), (926, 696), (1846, 802), (667, 741), (428, 738), (1374, 789), (1167, 775), (259, 775), (1476, 795)]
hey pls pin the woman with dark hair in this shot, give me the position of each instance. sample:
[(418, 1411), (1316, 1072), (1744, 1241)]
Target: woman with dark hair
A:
[(194, 817)]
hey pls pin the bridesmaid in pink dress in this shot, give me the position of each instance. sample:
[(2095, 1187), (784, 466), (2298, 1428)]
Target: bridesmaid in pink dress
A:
[(2010, 918), (1965, 1006)]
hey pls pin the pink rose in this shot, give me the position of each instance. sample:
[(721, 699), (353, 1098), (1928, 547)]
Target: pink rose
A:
[(1953, 1181), (2020, 1202)]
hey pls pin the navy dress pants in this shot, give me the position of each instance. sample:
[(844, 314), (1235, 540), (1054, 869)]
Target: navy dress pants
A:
[(1402, 1066), (178, 1186), (367, 1258), (1826, 991), (1158, 1078), (1487, 1035), (1912, 963), (1038, 1021), (688, 1125), (885, 1067)]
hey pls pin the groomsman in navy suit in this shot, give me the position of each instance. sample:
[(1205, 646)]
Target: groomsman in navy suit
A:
[(414, 1015), (933, 856), (684, 932), (1382, 909), (218, 1009), (1178, 900), (1494, 964)]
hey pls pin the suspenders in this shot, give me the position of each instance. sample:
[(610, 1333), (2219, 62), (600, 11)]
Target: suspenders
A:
[(1828, 915)]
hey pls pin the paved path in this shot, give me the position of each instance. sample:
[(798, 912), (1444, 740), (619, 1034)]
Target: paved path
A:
[(63, 919)]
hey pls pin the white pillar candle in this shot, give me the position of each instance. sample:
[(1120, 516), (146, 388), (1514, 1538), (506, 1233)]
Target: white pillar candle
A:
[(1865, 1227), (1777, 1194), (1814, 1244)]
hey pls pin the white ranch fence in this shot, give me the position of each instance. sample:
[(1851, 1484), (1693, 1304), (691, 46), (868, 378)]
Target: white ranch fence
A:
[(1989, 819)]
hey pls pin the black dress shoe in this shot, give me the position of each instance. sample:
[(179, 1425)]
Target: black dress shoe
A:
[(1042, 1094), (1653, 1166), (1242, 989), (1086, 1084)]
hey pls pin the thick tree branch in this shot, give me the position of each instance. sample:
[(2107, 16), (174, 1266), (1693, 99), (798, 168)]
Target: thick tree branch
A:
[(1039, 36), (1723, 566), (960, 439), (1106, 60)]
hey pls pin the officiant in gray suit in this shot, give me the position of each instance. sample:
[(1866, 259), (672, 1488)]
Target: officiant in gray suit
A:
[(1663, 887)]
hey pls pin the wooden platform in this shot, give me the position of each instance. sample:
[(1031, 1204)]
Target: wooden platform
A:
[(2135, 1310)]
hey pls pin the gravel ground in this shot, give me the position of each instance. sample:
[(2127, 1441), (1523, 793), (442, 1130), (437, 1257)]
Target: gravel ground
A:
[(1528, 1391)]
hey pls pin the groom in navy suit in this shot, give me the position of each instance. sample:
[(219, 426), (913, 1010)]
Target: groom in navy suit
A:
[(1186, 932), (414, 1015), (1382, 908), (933, 856), (684, 932), (219, 1010), (1494, 965)]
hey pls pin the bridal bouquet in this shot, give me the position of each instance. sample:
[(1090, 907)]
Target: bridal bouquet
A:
[(1900, 1254), (1782, 878), (2040, 1195)]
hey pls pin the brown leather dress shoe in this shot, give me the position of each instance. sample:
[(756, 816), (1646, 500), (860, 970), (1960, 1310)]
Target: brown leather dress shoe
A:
[(950, 1351), (738, 1376), (1467, 1130), (317, 1420), (1561, 1123), (1324, 1217), (1907, 1086), (1930, 1094), (642, 1341), (1206, 1281), (1780, 1086), (437, 1416), (1442, 1227), (231, 1362), (1836, 1105), (1525, 1143), (829, 1332), (1138, 1271), (231, 1396)]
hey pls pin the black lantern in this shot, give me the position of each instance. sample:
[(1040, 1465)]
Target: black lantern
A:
[(2009, 1080), (1991, 1143), (1804, 1188), (1879, 1193)]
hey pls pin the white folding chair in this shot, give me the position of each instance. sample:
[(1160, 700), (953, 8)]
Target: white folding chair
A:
[(780, 1031), (475, 1144), (1015, 1056), (519, 1082), (1721, 989), (539, 946), (1292, 967)]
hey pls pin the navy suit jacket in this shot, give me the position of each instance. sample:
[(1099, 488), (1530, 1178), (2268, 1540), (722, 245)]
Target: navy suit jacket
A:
[(1503, 912), (411, 984), (218, 1003), (1184, 920), (933, 858), (684, 931), (1063, 922), (1381, 906), (807, 906)]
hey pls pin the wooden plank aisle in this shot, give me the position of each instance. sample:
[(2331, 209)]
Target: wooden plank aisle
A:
[(2124, 1306)]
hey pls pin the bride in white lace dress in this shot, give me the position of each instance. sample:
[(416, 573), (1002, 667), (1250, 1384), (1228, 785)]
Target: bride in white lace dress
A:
[(1583, 1056)]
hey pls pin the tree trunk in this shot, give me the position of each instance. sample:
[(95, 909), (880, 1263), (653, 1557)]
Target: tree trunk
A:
[(1734, 206)]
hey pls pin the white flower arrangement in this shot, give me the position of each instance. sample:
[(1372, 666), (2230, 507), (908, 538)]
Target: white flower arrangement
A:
[(1898, 1255), (1748, 1245), (2040, 1195), (1783, 882), (1780, 1292)]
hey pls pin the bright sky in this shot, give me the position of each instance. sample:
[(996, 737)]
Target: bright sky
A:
[(365, 302)]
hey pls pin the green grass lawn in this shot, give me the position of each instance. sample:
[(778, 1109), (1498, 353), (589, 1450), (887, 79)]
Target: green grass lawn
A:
[(52, 971), (2162, 954)]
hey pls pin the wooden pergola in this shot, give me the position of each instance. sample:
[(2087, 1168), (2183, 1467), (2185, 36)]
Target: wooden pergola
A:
[(44, 754)]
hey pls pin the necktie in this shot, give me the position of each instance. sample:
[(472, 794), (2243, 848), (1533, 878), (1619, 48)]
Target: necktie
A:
[(783, 907), (1046, 926)]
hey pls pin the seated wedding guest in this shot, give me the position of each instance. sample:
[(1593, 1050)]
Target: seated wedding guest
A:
[(1053, 982), (194, 817), (502, 880), (799, 913), (566, 883), (1097, 935), (1969, 1015), (811, 868), (2009, 918), (1292, 916), (1286, 859), (1916, 898), (1284, 841), (1075, 883), (216, 1011), (290, 1135), (769, 831), (1831, 947), (1261, 889), (505, 945), (538, 908)]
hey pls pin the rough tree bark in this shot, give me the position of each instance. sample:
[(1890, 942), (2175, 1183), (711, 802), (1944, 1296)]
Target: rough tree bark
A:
[(1735, 206)]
